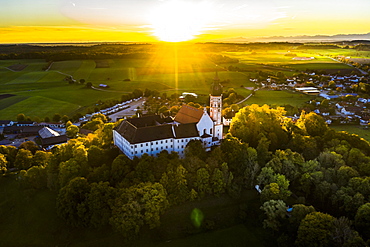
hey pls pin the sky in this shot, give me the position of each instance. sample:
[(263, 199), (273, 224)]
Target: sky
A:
[(31, 21)]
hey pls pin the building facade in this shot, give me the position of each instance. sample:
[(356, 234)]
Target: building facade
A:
[(153, 134)]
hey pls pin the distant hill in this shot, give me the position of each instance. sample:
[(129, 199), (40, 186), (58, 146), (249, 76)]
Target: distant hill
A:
[(356, 38)]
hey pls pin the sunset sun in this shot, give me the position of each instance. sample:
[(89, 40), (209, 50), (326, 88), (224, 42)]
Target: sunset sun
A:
[(178, 21)]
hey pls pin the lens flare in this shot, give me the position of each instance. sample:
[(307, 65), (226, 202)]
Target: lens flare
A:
[(177, 21), (197, 217)]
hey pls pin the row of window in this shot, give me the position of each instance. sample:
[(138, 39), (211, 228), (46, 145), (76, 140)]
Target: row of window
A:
[(166, 141)]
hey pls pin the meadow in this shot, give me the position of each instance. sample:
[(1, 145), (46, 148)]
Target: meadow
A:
[(283, 60), (278, 98), (43, 93), (354, 129)]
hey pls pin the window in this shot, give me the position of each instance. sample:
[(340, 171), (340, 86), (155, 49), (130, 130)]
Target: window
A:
[(166, 147), (156, 143), (147, 144), (166, 141), (147, 150), (141, 145), (161, 142), (210, 131), (156, 148)]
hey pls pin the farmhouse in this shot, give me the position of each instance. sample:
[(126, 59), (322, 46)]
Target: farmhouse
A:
[(50, 137), (153, 134)]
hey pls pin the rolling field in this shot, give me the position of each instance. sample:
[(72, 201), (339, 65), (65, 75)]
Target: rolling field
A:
[(44, 93), (290, 60), (269, 97), (353, 129)]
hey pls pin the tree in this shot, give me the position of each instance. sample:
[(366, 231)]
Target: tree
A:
[(137, 93), (275, 211), (65, 119), (217, 182), (362, 220), (194, 148), (138, 205), (121, 167), (82, 81), (313, 124), (23, 160), (343, 235), (36, 177), (68, 171), (202, 182), (41, 158), (3, 163), (29, 145), (72, 202), (298, 213), (252, 121), (72, 131), (21, 117), (175, 183), (99, 199), (57, 118), (315, 230), (89, 85)]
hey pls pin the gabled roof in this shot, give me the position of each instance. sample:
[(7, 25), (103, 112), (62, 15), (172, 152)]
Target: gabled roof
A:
[(46, 132), (188, 114), (134, 134), (186, 130), (146, 121)]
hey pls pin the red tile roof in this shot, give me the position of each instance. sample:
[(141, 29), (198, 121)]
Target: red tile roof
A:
[(188, 114)]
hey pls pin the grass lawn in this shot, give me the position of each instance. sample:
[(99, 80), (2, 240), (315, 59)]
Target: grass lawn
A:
[(237, 236), (353, 129), (37, 106), (271, 97)]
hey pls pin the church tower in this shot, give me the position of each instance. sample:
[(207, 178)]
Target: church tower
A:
[(216, 107)]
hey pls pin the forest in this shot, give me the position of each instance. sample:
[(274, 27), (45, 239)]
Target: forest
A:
[(314, 181)]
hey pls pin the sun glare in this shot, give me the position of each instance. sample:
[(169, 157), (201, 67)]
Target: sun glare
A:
[(178, 21)]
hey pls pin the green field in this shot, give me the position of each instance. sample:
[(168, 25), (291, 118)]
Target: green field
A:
[(270, 97), (354, 129), (281, 60), (44, 93)]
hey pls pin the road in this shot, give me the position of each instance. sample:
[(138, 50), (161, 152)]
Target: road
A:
[(362, 72), (129, 111)]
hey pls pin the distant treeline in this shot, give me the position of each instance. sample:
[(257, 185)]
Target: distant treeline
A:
[(70, 52)]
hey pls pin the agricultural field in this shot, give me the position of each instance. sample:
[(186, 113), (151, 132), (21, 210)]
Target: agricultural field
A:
[(354, 129), (43, 93), (295, 60), (278, 98)]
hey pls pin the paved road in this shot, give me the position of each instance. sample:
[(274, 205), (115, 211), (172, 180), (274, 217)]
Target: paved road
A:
[(129, 111), (362, 72)]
